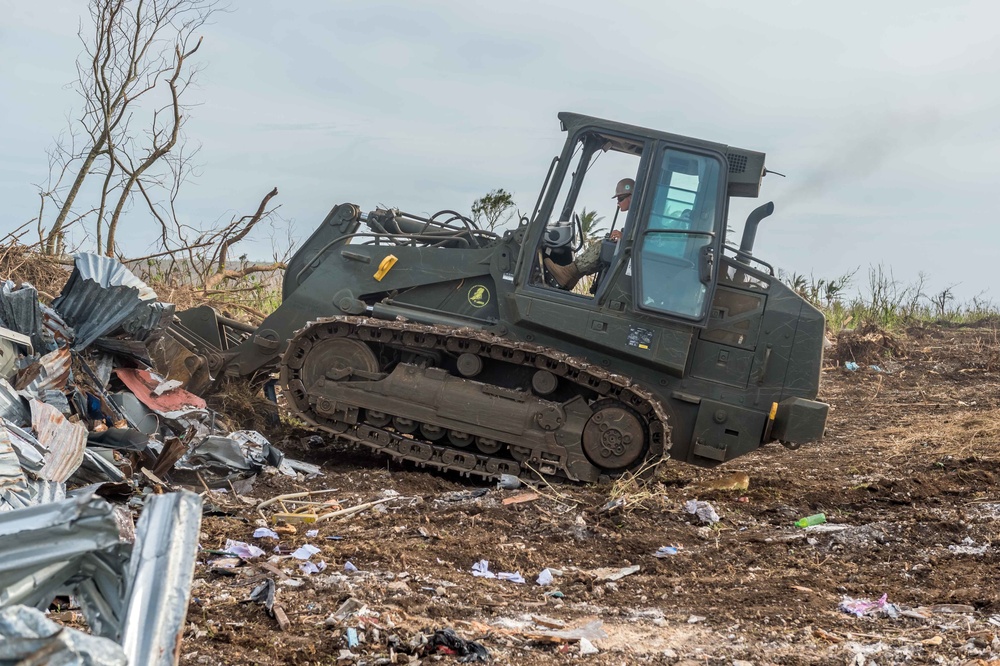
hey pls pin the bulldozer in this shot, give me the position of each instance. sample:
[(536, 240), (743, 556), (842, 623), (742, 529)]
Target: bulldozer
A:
[(437, 341)]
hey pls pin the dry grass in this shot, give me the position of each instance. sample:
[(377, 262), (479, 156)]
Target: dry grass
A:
[(961, 434)]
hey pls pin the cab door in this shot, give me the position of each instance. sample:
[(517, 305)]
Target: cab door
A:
[(679, 234)]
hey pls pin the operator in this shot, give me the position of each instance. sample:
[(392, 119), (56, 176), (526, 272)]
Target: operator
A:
[(589, 261)]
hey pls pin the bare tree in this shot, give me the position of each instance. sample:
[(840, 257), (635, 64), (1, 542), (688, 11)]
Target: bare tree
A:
[(217, 269), (131, 78)]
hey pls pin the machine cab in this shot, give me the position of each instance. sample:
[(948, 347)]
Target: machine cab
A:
[(672, 226)]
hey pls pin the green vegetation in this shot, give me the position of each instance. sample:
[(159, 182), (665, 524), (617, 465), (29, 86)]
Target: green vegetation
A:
[(886, 302)]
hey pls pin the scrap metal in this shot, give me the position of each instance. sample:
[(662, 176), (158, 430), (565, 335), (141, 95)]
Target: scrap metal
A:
[(99, 296), (136, 594)]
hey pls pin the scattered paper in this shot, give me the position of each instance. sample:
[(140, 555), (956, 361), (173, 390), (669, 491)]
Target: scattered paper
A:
[(305, 552)]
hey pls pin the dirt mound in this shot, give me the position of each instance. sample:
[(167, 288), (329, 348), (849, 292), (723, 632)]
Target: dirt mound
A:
[(866, 344)]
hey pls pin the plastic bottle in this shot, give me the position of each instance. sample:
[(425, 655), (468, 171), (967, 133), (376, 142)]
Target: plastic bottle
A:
[(815, 519)]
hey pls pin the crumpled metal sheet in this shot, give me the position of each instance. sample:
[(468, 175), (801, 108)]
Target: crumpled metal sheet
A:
[(63, 441), (241, 451), (13, 483), (26, 636), (159, 578), (21, 311), (61, 333), (143, 384), (136, 594), (49, 373), (45, 546), (29, 452), (99, 296), (149, 321), (12, 405)]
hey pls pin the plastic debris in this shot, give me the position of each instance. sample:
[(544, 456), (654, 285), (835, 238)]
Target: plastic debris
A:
[(446, 641), (349, 567), (508, 482), (544, 578), (666, 551), (586, 647), (852, 366), (264, 594), (481, 569), (511, 577), (612, 574), (312, 534), (352, 637), (703, 510), (867, 607), (349, 608), (809, 521), (310, 567), (265, 533)]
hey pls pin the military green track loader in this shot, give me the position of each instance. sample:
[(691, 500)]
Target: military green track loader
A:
[(451, 346)]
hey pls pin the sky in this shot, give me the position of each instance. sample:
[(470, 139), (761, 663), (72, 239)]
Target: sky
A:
[(884, 117)]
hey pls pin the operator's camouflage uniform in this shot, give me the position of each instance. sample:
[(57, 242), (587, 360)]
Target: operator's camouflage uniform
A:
[(589, 260)]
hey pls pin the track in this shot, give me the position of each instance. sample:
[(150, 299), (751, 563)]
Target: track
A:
[(467, 401)]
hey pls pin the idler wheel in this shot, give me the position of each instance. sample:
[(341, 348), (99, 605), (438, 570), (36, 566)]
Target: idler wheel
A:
[(335, 357), (614, 437)]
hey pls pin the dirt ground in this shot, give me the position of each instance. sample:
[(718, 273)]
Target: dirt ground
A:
[(907, 477)]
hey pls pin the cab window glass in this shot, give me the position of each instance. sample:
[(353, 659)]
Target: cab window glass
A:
[(677, 247)]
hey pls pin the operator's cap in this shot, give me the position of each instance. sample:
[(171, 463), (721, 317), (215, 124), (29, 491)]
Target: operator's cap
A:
[(625, 186)]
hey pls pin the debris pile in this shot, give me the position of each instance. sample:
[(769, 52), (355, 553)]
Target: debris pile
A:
[(84, 415), (82, 403)]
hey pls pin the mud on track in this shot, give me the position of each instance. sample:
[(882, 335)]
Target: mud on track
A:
[(910, 466)]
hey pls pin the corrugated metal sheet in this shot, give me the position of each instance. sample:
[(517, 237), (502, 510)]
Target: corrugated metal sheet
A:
[(159, 576), (29, 452), (13, 484), (136, 594), (99, 295), (27, 635), (142, 384), (63, 441), (61, 333), (20, 311), (109, 272), (49, 373), (149, 321), (45, 546), (12, 405)]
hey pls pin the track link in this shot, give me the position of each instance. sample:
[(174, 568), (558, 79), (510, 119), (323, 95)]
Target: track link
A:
[(361, 426)]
